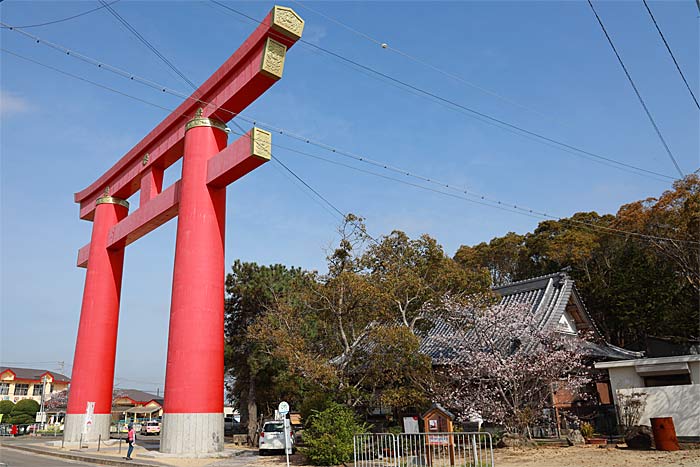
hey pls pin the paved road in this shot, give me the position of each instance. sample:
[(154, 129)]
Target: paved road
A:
[(15, 458)]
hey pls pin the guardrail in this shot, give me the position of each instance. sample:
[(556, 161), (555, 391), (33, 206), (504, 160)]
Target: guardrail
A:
[(474, 449)]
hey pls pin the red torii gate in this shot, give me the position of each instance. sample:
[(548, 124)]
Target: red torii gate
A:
[(195, 131)]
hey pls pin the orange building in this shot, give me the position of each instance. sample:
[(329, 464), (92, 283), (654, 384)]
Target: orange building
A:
[(29, 383)]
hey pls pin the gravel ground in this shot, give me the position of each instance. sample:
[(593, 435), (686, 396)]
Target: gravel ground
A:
[(593, 456)]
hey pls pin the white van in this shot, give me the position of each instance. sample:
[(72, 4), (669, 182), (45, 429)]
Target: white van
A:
[(272, 438)]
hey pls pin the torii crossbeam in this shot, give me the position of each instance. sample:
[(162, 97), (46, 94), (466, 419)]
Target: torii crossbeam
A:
[(195, 131)]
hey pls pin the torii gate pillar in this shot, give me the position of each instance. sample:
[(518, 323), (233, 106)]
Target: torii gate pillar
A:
[(194, 377), (193, 422)]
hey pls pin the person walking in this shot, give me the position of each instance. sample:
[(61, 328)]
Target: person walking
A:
[(131, 438)]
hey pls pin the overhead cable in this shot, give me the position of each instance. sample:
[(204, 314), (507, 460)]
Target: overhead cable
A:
[(150, 46), (126, 74), (670, 52), (496, 203), (389, 47), (63, 19), (499, 123), (636, 91)]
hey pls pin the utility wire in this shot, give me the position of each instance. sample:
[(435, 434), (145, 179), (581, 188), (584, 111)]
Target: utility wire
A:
[(387, 46), (63, 19), (150, 46), (325, 200), (294, 181), (126, 74), (319, 195), (467, 110), (636, 91), (493, 203), (496, 203), (155, 50), (668, 47)]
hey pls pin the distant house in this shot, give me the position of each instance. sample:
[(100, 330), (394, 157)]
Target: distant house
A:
[(668, 386), (133, 403), (29, 383)]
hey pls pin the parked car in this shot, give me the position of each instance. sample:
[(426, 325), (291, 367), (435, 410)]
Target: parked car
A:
[(272, 438), (150, 428)]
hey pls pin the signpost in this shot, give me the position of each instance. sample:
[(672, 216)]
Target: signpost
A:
[(89, 412), (283, 410)]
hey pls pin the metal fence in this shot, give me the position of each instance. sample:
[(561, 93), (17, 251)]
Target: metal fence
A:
[(423, 450)]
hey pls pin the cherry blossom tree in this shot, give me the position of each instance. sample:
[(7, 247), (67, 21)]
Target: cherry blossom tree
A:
[(503, 365)]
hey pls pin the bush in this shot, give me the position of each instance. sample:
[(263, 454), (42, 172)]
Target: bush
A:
[(328, 435), (24, 411), (6, 407), (587, 430)]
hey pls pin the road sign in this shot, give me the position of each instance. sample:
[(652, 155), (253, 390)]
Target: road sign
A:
[(283, 408), (287, 437)]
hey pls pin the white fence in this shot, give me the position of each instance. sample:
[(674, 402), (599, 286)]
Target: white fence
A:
[(423, 450)]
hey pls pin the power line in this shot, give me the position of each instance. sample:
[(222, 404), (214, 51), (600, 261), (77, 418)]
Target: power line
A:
[(126, 74), (636, 91), (493, 203), (145, 41), (499, 123), (668, 47), (496, 203), (325, 200), (64, 19), (389, 47), (287, 175)]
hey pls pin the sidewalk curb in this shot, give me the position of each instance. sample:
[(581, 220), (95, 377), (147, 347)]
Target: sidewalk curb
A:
[(77, 457)]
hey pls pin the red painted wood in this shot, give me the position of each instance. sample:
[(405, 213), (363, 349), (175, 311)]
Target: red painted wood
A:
[(194, 375), (151, 184), (224, 168), (96, 345), (236, 84), (83, 255), (147, 218), (233, 162)]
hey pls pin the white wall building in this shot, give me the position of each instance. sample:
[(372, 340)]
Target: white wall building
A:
[(671, 385)]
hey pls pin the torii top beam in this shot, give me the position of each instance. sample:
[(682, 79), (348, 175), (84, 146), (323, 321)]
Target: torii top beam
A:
[(247, 74)]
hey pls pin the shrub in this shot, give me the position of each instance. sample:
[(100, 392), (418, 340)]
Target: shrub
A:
[(24, 411), (328, 435), (6, 407), (630, 408), (587, 430)]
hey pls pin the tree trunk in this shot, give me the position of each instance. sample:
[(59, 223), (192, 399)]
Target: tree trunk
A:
[(252, 406)]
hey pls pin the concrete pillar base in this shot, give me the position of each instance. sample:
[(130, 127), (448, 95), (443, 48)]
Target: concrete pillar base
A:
[(192, 433), (75, 423)]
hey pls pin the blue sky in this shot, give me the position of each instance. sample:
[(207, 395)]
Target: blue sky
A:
[(58, 135)]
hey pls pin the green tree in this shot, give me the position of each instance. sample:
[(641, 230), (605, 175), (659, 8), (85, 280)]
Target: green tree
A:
[(673, 221), (413, 276), (633, 286), (328, 436), (339, 331), (251, 289), (5, 410), (24, 411), (502, 257)]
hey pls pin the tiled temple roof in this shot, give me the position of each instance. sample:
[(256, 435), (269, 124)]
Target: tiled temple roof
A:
[(547, 298)]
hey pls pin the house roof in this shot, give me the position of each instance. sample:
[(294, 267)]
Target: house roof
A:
[(141, 397), (547, 298), (34, 374), (649, 361)]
